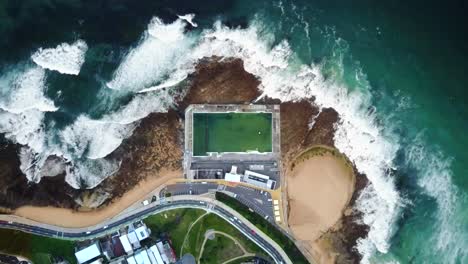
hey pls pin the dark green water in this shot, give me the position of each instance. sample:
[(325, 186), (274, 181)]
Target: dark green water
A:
[(395, 70)]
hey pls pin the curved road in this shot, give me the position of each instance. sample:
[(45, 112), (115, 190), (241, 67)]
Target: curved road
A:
[(269, 246)]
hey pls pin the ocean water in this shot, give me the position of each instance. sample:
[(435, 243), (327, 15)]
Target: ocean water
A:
[(76, 76)]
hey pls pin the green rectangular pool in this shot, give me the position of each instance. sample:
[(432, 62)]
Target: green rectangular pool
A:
[(231, 132)]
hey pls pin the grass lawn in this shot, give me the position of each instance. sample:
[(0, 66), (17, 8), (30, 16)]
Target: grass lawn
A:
[(231, 132), (241, 260), (220, 249), (288, 245), (174, 223), (36, 248), (212, 221)]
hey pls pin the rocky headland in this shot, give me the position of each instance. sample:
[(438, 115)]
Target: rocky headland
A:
[(157, 145)]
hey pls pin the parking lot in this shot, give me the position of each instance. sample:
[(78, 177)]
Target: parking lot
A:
[(257, 200)]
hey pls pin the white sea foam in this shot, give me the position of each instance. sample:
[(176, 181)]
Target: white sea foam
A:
[(22, 91), (88, 173), (436, 179), (160, 52), (95, 139), (65, 58), (189, 18)]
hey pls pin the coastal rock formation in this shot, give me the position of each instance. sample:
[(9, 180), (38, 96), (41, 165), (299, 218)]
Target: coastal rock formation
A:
[(220, 81)]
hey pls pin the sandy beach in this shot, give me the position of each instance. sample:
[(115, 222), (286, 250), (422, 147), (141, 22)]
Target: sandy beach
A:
[(319, 187), (70, 218)]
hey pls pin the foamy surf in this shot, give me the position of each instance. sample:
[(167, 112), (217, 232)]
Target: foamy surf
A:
[(189, 18), (65, 58), (160, 52)]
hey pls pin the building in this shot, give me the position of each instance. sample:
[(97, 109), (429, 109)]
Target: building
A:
[(142, 257), (131, 260), (160, 247), (230, 177), (132, 237), (86, 254), (259, 180), (142, 232), (124, 248), (126, 244), (157, 255)]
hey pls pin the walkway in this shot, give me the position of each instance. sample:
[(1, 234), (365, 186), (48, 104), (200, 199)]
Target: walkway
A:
[(214, 232)]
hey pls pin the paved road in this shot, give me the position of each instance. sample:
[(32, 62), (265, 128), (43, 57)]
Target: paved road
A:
[(257, 200), (247, 228)]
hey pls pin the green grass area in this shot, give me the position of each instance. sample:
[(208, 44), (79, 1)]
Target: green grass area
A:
[(214, 222), (220, 249), (288, 245), (231, 132), (175, 223), (36, 248), (241, 260)]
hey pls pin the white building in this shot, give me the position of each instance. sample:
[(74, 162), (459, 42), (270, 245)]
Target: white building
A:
[(142, 257), (132, 237), (259, 180), (230, 177), (126, 244), (156, 255), (88, 253), (142, 232), (131, 260), (160, 247)]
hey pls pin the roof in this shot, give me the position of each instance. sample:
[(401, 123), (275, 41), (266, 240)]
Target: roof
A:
[(161, 251), (125, 243), (142, 232), (256, 174), (142, 257), (88, 253), (146, 259), (131, 260), (97, 261), (132, 237), (156, 254), (232, 177)]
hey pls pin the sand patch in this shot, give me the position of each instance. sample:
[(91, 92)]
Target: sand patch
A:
[(69, 218), (319, 187)]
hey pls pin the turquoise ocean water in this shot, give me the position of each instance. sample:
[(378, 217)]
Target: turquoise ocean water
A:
[(396, 72)]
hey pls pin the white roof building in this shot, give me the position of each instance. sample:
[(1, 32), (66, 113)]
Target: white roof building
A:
[(131, 260), (156, 255), (142, 257), (88, 253), (142, 232), (230, 177), (259, 180), (126, 244), (132, 237), (161, 251)]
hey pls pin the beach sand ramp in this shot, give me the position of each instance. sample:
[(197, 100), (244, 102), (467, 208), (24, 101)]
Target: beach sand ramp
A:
[(319, 187)]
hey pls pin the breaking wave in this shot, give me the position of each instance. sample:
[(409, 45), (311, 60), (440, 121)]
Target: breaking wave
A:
[(436, 180), (65, 58), (160, 52)]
